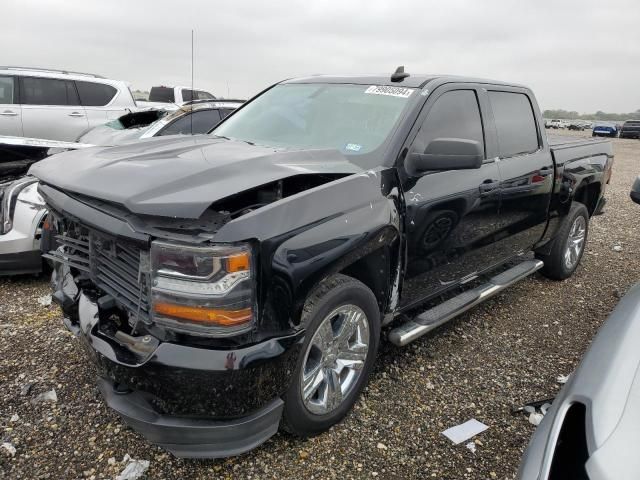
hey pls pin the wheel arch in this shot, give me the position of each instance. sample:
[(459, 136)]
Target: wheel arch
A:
[(588, 194)]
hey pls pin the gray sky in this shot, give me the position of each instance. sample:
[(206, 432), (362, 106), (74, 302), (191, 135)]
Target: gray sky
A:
[(579, 55)]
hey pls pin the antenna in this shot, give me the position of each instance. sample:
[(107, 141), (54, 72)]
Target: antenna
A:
[(192, 94), (399, 74)]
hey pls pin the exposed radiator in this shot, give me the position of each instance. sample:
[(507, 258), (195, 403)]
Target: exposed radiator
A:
[(117, 267)]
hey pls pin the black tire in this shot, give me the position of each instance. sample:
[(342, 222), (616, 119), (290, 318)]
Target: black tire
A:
[(331, 293), (555, 266)]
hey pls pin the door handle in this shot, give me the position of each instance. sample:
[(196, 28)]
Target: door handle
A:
[(488, 187), (76, 114), (9, 113)]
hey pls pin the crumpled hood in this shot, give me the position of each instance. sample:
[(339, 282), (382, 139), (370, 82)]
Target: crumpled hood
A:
[(180, 176), (106, 136)]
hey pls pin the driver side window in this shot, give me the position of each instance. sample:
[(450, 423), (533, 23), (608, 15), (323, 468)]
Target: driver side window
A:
[(455, 114)]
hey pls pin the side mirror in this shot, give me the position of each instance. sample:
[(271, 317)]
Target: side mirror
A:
[(446, 154), (635, 190)]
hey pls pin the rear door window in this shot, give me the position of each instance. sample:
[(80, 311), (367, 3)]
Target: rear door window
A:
[(48, 91), (202, 95), (95, 94), (203, 121), (161, 94), (7, 91), (515, 123), (455, 114), (187, 95)]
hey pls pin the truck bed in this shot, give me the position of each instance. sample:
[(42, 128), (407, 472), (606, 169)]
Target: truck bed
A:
[(559, 141), (566, 148)]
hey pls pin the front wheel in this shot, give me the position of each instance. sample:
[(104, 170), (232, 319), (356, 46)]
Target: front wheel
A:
[(342, 321), (568, 246)]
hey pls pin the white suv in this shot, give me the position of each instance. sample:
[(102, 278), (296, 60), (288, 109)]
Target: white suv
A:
[(56, 104)]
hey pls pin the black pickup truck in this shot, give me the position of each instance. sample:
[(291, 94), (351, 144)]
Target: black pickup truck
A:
[(630, 129), (231, 283)]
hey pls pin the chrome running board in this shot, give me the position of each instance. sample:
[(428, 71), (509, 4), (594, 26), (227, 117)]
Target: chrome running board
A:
[(442, 313)]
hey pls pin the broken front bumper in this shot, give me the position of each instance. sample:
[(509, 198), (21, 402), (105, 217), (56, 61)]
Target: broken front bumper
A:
[(193, 437), (193, 401)]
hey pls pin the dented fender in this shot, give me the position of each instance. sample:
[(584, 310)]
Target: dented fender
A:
[(307, 237)]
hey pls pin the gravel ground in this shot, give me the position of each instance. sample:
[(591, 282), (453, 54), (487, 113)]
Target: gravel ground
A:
[(508, 351)]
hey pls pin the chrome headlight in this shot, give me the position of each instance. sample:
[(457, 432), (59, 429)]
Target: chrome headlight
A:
[(8, 197), (203, 290)]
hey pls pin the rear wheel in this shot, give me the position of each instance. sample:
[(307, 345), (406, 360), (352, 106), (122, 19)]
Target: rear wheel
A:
[(343, 328), (568, 246)]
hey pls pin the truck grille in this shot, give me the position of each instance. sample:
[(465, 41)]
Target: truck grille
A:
[(117, 267)]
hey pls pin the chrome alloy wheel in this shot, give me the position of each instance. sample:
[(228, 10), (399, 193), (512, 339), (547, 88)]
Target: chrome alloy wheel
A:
[(575, 242), (334, 359)]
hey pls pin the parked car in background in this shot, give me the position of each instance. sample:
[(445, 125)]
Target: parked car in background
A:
[(240, 279), (558, 124), (58, 104), (22, 214), (630, 129), (635, 190), (17, 154), (192, 118), (591, 430), (605, 129), (579, 125), (177, 95), (22, 211)]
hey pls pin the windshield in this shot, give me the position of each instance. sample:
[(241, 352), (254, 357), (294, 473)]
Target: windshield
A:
[(354, 119)]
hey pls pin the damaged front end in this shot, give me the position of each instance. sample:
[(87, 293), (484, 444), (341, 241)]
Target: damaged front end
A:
[(182, 266), (170, 326), (167, 289)]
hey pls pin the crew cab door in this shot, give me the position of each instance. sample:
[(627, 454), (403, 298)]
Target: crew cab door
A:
[(526, 167), (452, 216), (10, 111), (51, 109)]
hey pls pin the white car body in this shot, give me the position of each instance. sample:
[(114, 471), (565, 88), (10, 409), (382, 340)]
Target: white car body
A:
[(58, 105), (558, 124), (20, 246)]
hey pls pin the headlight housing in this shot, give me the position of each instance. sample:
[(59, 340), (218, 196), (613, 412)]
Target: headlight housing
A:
[(203, 290), (8, 197)]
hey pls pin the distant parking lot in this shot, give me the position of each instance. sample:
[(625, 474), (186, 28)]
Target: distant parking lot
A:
[(507, 351)]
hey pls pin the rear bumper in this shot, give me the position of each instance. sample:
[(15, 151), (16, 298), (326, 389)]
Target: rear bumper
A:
[(605, 133), (193, 437), (632, 134)]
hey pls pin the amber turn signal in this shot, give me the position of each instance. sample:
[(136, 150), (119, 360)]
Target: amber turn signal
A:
[(213, 316), (239, 262)]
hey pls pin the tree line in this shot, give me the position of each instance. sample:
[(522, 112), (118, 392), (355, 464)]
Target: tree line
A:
[(599, 115)]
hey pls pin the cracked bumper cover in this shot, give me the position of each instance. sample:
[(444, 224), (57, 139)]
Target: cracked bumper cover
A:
[(193, 437), (192, 400)]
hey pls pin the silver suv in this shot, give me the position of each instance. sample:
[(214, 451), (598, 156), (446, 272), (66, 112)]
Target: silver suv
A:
[(56, 104)]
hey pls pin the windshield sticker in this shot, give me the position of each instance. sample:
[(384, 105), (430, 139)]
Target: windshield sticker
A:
[(354, 147), (392, 91)]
